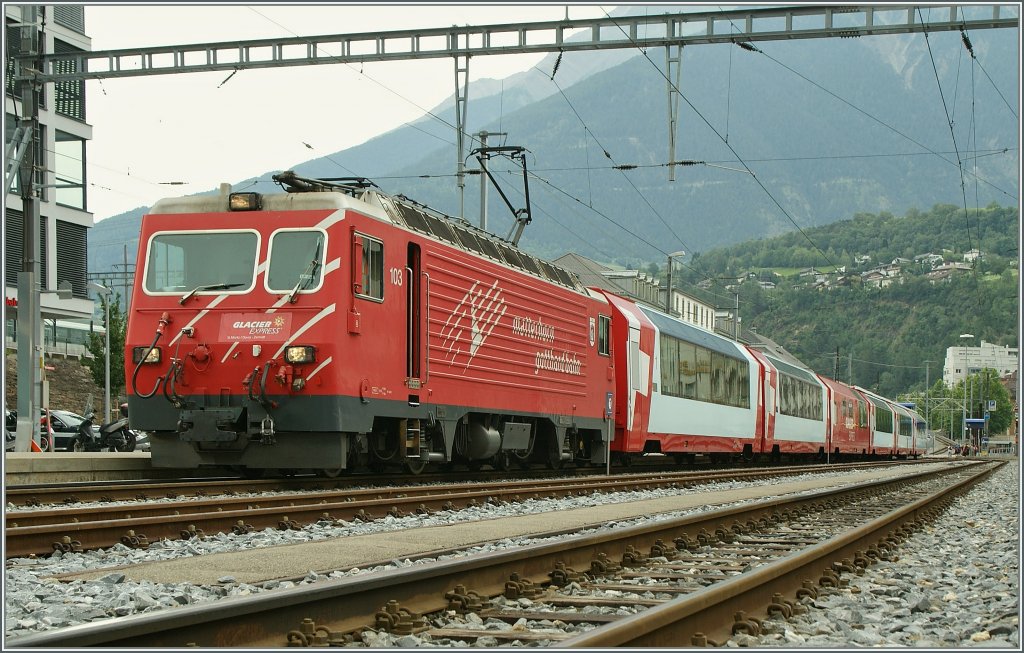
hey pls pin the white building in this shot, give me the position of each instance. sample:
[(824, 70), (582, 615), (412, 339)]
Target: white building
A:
[(961, 361), (62, 182)]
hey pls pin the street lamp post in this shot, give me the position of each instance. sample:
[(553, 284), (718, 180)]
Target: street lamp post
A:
[(668, 289), (103, 290), (963, 428)]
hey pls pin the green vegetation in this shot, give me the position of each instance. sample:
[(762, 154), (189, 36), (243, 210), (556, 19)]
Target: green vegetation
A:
[(97, 347), (879, 338)]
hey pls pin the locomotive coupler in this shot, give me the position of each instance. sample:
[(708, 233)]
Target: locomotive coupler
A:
[(267, 431)]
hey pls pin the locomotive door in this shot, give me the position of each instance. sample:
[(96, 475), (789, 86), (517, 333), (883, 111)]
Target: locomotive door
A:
[(414, 370)]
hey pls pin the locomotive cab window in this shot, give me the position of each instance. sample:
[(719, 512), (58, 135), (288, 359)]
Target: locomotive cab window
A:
[(604, 326), (371, 279), (296, 261), (212, 261)]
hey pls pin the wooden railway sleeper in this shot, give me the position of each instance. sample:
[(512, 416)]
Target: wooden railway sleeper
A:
[(68, 545), (394, 619), (134, 541), (463, 601), (191, 533)]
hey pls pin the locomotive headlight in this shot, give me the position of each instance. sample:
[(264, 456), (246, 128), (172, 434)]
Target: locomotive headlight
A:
[(245, 202), (152, 357), (299, 354)]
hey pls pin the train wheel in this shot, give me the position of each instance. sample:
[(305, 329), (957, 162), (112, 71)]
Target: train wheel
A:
[(333, 473), (415, 466)]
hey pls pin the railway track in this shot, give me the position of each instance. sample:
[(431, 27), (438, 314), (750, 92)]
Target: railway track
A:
[(685, 581), (174, 511)]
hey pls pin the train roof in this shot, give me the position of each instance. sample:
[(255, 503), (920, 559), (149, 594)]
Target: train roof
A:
[(362, 195), (690, 333)]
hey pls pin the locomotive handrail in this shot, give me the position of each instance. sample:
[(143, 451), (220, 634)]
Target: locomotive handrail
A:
[(426, 335), (410, 327)]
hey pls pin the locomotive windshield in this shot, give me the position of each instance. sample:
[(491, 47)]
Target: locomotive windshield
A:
[(295, 260), (192, 261)]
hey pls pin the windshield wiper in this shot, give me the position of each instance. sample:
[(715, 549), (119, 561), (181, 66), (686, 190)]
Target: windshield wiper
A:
[(212, 286), (307, 275)]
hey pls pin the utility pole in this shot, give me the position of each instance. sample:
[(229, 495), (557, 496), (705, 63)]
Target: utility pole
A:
[(30, 350), (927, 391), (835, 369)]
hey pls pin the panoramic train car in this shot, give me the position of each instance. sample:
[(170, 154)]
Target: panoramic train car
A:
[(882, 419), (681, 390), (906, 432), (924, 441), (334, 326), (846, 419), (800, 423)]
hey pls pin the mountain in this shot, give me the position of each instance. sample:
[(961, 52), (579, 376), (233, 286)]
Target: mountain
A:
[(882, 335), (800, 134)]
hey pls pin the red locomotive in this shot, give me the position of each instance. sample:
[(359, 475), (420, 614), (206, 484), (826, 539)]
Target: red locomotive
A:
[(335, 327)]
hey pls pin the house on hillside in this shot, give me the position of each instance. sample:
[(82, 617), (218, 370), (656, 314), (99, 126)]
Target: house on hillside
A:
[(973, 255), (929, 259), (946, 271)]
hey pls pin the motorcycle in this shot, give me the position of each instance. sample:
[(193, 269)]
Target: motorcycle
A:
[(115, 436)]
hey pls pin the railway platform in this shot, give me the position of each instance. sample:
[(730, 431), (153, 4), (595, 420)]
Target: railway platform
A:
[(28, 468)]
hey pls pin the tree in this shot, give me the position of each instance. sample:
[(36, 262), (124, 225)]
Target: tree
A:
[(97, 347)]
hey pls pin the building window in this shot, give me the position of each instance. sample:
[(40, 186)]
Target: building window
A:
[(71, 17), (69, 96), (71, 263), (14, 246), (69, 166)]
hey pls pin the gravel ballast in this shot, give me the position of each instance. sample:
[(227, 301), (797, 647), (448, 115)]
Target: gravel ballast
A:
[(967, 564)]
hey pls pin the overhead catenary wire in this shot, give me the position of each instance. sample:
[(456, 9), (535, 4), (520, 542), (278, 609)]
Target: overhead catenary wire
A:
[(952, 133), (731, 149)]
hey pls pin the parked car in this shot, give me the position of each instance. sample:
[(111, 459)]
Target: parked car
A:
[(63, 428)]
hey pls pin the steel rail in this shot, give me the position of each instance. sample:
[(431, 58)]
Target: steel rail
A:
[(38, 532), (348, 604), (684, 622)]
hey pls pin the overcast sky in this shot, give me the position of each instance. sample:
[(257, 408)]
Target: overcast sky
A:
[(202, 129)]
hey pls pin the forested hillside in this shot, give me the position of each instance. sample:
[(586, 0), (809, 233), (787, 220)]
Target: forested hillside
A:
[(883, 336)]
